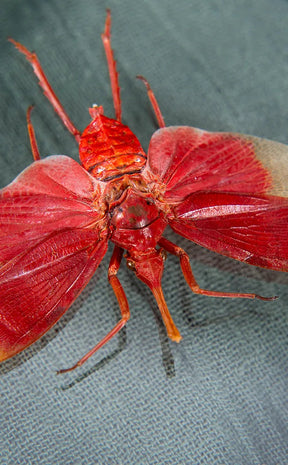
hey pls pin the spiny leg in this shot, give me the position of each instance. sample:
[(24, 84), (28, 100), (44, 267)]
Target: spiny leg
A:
[(153, 102), (122, 301), (106, 39), (188, 275), (31, 133), (48, 91)]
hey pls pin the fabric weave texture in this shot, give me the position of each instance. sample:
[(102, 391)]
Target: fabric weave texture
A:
[(220, 396)]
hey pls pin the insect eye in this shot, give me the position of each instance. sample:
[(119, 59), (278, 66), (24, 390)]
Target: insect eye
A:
[(130, 264)]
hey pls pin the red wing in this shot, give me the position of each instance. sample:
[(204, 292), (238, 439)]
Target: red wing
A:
[(253, 229), (222, 188), (51, 194), (51, 243), (183, 160)]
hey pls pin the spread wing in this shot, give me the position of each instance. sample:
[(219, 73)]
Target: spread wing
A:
[(52, 239), (227, 192), (253, 229)]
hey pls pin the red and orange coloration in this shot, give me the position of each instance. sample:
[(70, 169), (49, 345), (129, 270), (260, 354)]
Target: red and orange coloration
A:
[(224, 191)]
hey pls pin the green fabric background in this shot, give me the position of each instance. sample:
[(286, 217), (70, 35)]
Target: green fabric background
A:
[(220, 396)]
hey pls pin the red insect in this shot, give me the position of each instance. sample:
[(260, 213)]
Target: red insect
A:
[(223, 191)]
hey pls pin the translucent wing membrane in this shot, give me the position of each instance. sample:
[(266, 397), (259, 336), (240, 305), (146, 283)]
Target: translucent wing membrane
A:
[(188, 160), (245, 227), (228, 192), (51, 243)]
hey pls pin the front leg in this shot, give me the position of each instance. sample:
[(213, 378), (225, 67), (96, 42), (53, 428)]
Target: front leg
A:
[(48, 91)]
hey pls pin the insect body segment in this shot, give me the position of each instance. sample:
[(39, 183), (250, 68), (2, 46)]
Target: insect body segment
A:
[(224, 191), (108, 149), (137, 224)]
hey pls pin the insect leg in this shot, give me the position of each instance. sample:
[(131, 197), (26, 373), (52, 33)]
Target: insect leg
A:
[(123, 304), (31, 133), (48, 91), (188, 275), (172, 330), (154, 102), (106, 39)]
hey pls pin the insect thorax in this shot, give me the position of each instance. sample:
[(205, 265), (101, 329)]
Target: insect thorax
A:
[(108, 149)]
